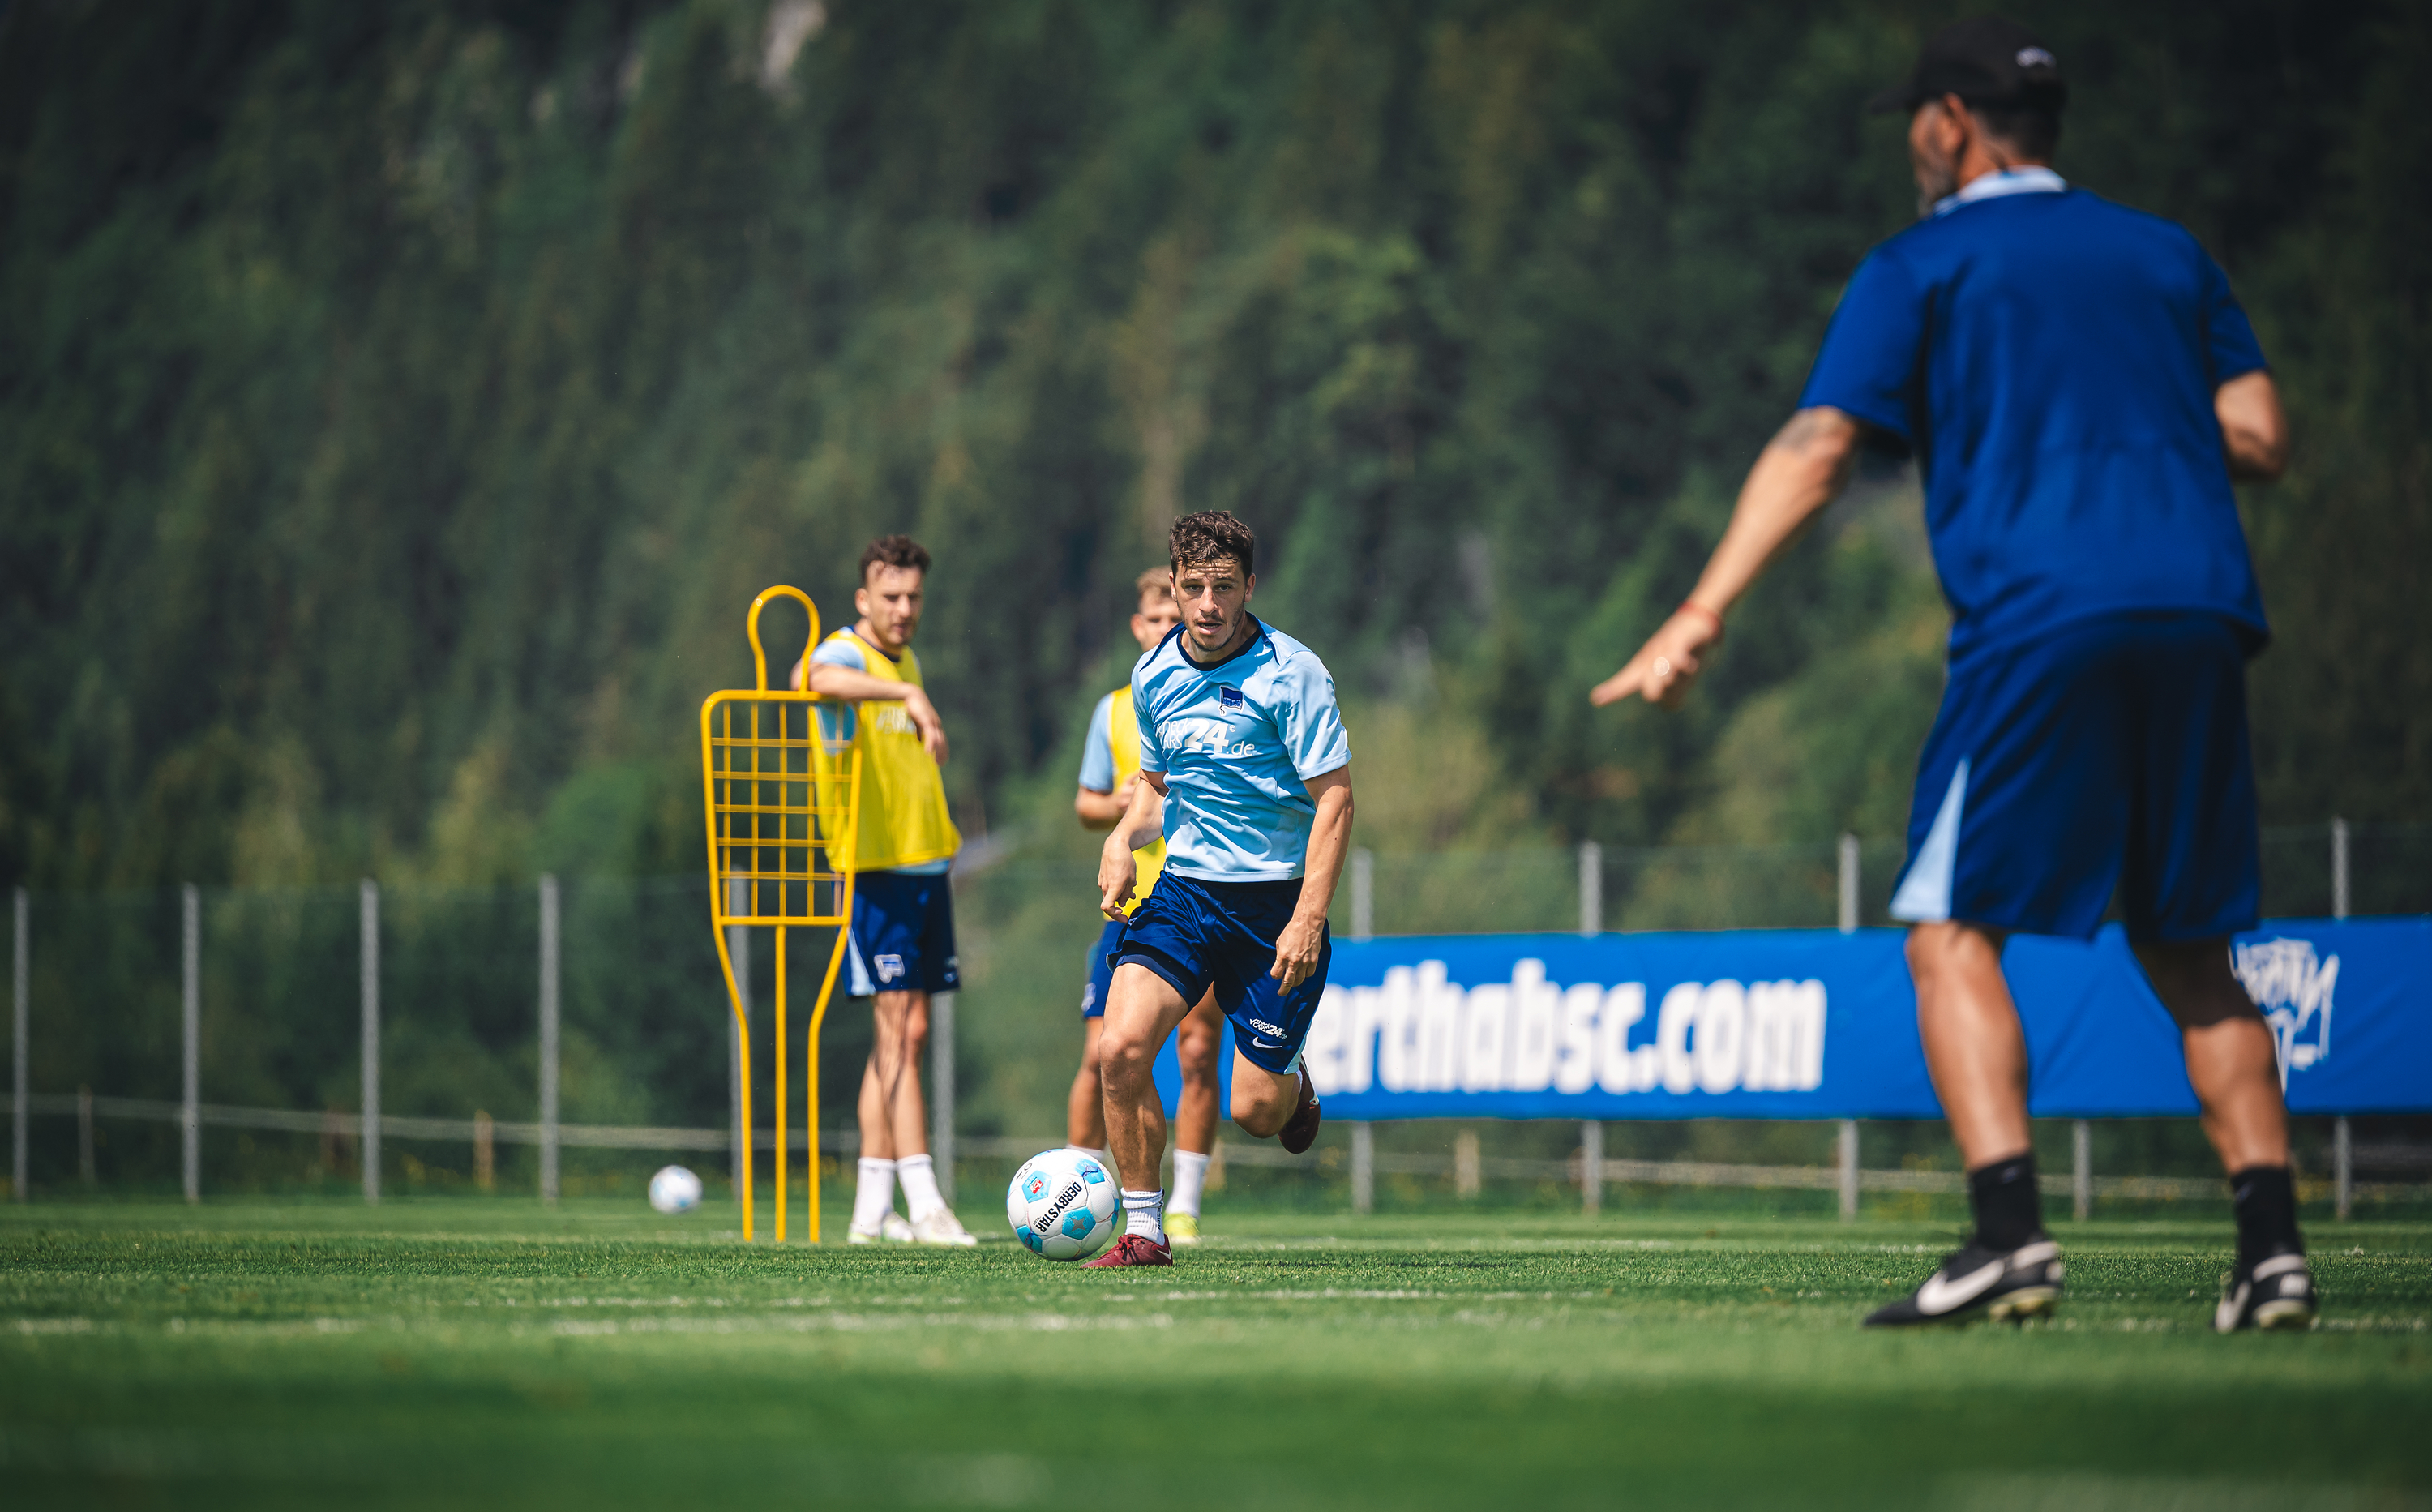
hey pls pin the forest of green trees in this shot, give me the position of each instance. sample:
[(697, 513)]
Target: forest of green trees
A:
[(400, 403)]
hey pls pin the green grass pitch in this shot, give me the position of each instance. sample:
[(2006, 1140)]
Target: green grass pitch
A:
[(490, 1352)]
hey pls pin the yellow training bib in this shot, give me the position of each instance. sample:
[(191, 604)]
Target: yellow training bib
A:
[(1122, 736), (903, 818)]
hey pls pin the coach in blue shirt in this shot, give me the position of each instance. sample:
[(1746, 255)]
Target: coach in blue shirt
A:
[(2079, 388)]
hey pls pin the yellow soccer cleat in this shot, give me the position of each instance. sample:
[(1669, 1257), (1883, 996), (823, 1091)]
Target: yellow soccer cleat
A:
[(1182, 1227)]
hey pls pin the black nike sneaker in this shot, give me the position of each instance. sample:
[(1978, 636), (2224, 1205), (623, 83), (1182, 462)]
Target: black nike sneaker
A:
[(2019, 1284), (2275, 1292)]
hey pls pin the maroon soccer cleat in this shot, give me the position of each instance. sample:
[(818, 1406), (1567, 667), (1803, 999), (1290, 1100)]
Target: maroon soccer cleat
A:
[(1300, 1132), (1131, 1249)]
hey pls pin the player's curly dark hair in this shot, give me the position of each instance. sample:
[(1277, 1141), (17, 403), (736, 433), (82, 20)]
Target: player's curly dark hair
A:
[(1211, 535), (893, 551)]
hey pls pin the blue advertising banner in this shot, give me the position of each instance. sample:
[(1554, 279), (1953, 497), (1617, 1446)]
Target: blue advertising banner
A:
[(1815, 1023)]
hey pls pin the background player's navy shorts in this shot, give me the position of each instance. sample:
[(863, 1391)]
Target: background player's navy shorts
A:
[(903, 937), (1102, 970), (2109, 754), (1199, 934)]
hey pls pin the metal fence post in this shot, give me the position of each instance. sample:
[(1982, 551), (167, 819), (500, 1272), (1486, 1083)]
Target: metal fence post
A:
[(1848, 883), (20, 1039), (1363, 893), (941, 1083), (2339, 868), (1363, 1168), (1591, 1168), (1849, 1152), (1591, 888), (1466, 1177), (370, 960), (549, 1051), (1848, 1133), (190, 1108), (738, 950), (88, 1170), (2342, 1167), (2081, 1183)]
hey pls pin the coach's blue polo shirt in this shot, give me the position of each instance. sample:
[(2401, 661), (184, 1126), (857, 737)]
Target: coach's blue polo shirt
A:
[(2051, 357)]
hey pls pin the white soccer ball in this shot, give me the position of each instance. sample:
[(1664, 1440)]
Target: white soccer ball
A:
[(675, 1190), (1062, 1204)]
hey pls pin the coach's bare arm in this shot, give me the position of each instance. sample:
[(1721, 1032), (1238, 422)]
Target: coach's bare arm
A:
[(1798, 472), (2253, 427), (1329, 840), (860, 688)]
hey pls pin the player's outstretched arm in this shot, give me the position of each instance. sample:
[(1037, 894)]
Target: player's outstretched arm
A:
[(1145, 821), (1329, 842), (1798, 472), (832, 681)]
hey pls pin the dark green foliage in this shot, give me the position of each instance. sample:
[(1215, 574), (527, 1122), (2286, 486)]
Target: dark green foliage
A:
[(399, 403)]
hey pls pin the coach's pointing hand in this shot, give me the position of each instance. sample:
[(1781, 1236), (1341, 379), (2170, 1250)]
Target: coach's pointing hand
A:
[(1795, 477), (1668, 663)]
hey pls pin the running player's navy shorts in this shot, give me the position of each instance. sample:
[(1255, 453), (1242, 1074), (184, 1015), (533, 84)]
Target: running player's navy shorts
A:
[(903, 937), (2110, 756), (1102, 970), (1199, 934)]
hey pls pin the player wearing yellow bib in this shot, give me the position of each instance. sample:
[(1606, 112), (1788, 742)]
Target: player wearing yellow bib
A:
[(901, 945), (1110, 771)]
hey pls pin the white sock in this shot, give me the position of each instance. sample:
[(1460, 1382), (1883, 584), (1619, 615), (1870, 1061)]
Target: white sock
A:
[(875, 1195), (918, 1173), (1190, 1179), (1144, 1214)]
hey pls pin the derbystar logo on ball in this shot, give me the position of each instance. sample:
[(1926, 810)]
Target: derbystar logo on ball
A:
[(1061, 1205)]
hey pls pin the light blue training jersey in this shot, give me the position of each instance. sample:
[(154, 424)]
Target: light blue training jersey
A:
[(1237, 744)]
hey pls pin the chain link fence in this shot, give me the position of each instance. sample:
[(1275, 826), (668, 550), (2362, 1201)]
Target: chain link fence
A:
[(645, 1054)]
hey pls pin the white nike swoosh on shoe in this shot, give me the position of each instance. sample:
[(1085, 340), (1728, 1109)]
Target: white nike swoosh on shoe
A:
[(2224, 1317), (1938, 1296)]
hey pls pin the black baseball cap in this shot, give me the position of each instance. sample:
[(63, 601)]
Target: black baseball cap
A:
[(1985, 60)]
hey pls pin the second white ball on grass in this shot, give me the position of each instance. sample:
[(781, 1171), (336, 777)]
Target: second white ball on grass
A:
[(675, 1190)]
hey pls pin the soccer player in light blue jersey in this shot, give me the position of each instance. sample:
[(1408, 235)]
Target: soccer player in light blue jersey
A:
[(1242, 746)]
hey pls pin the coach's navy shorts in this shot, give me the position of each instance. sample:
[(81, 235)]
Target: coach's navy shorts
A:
[(2109, 756), (1199, 934), (903, 937), (1102, 970)]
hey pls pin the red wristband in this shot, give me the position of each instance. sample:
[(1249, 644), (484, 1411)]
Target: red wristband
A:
[(1692, 606)]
